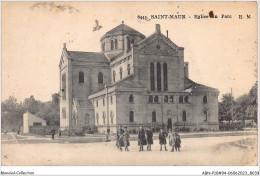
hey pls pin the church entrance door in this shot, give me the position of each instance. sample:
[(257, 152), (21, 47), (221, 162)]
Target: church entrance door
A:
[(169, 124)]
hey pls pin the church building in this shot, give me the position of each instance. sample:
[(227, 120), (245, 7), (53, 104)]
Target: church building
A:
[(133, 80)]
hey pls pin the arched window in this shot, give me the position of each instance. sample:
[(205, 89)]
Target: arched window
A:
[(97, 118), (86, 119), (171, 99), (165, 77), (128, 69), (97, 103), (150, 98), (121, 72), (112, 44), (100, 78), (131, 116), (152, 77), (205, 100), (116, 44), (81, 77), (156, 98), (186, 99), (159, 84), (112, 117), (114, 76), (131, 99), (104, 117), (104, 102), (128, 44), (103, 46), (181, 99), (166, 98), (63, 88), (111, 100), (205, 116), (184, 116), (153, 116)]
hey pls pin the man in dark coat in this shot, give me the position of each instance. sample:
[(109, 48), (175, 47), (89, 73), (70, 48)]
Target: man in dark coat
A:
[(52, 133), (149, 136), (141, 138), (162, 139)]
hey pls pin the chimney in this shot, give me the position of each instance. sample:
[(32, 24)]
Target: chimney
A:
[(167, 33), (186, 69), (158, 28), (126, 47)]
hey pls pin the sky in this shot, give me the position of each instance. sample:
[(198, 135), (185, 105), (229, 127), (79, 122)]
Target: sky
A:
[(222, 53)]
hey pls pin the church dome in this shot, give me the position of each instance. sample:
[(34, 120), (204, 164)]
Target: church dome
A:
[(122, 29)]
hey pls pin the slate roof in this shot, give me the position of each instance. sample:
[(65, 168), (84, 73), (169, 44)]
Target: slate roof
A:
[(87, 56), (122, 29), (191, 86)]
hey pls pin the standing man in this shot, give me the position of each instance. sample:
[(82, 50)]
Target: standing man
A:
[(162, 139), (52, 133), (149, 136), (141, 138)]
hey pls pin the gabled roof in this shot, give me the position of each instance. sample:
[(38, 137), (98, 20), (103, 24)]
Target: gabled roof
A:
[(122, 29), (87, 56), (193, 87)]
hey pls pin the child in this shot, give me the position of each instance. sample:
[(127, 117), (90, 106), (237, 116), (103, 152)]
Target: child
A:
[(162, 139), (177, 142), (121, 141)]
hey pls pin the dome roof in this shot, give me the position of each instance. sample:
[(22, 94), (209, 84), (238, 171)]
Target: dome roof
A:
[(122, 29)]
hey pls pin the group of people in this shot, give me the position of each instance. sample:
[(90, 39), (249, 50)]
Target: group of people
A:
[(146, 138)]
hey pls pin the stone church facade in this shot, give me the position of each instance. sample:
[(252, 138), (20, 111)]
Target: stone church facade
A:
[(133, 80)]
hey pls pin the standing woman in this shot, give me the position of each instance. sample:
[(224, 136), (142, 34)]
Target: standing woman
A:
[(141, 138), (172, 139), (126, 139), (149, 136)]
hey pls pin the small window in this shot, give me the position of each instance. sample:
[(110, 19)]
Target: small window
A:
[(121, 72), (112, 44), (64, 113), (86, 119), (205, 116), (100, 78), (171, 99), (81, 77), (112, 117), (63, 88), (186, 99), (103, 46), (104, 117), (116, 44), (114, 76), (166, 98), (181, 99), (150, 98), (128, 69), (205, 100), (97, 118), (184, 116), (128, 44), (153, 116), (111, 99), (131, 118), (131, 99), (97, 103), (156, 98), (104, 102)]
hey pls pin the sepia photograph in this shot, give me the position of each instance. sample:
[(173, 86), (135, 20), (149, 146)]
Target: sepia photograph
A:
[(129, 83)]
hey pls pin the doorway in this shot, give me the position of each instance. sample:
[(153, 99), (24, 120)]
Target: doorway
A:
[(169, 124)]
